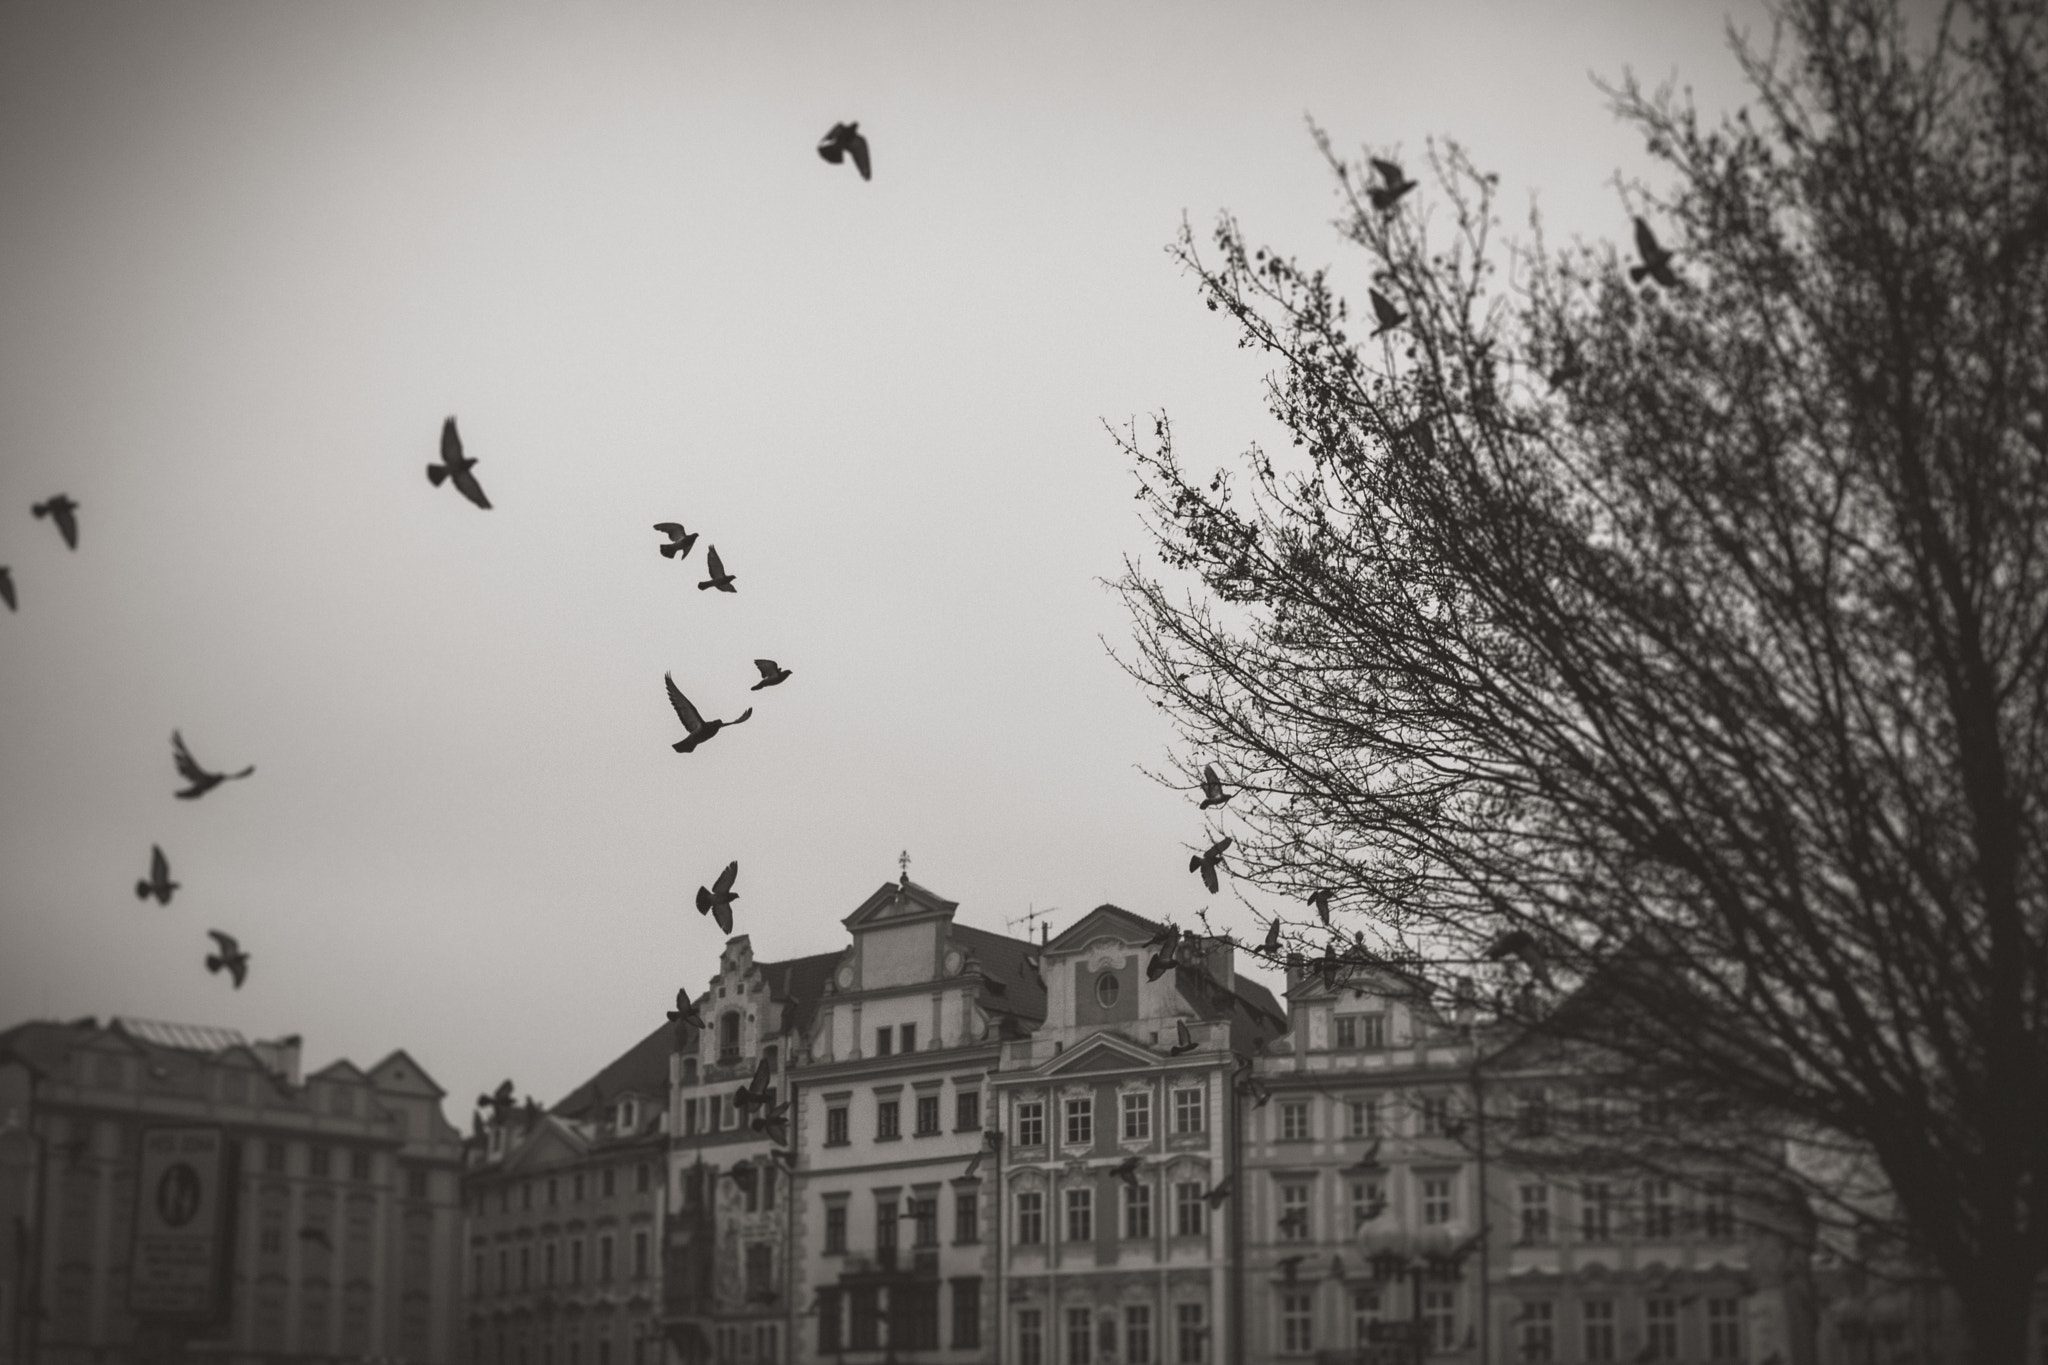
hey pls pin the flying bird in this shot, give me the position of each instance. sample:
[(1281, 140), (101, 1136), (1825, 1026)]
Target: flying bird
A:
[(501, 1102), (1271, 947), (1212, 788), (1207, 863), (63, 510), (7, 587), (716, 901), (1256, 1089), (755, 1092), (230, 957), (188, 768), (685, 1012), (1185, 1039), (1384, 310), (698, 728), (743, 1175), (1368, 1162), (771, 674), (991, 1141), (774, 1125), (1393, 184), (719, 579), (1221, 1192), (1520, 944), (1656, 260), (845, 138), (679, 540), (159, 883), (1320, 902), (784, 1155), (1290, 1266), (456, 466), (1127, 1171)]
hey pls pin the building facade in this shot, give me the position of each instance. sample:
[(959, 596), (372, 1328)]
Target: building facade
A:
[(893, 1236), (1123, 1215), (565, 1211), (180, 1189)]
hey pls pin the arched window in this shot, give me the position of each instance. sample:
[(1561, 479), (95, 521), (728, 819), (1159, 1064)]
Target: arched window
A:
[(729, 1036)]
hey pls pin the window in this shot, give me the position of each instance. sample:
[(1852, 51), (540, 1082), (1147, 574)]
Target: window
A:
[(1190, 1333), (1294, 1120), (835, 1126), (1187, 1111), (273, 1157), (639, 1255), (835, 1228), (888, 1120), (714, 1112), (576, 1261), (1660, 1329), (967, 1314), (526, 1267), (760, 1271), (1030, 1217), (1440, 1312), (927, 1115), (1365, 1118), (547, 1264), (1030, 1337), (1596, 1212), (1535, 1214), (1293, 1225), (967, 1216), (1031, 1123), (1080, 1120), (1081, 1215), (1138, 1117), (1717, 1209), (1347, 1030), (576, 1188), (1107, 989), (1365, 1312), (728, 1037), (1660, 1209), (924, 1222), (1296, 1315), (1367, 1031), (1436, 1115), (604, 1258), (906, 1038), (610, 1183), (504, 1272), (1187, 1208), (1599, 1322), (643, 1177), (1137, 1212), (318, 1163), (1532, 1115), (886, 1225), (1724, 1330), (689, 1117), (914, 1316), (554, 1191), (1080, 1336), (689, 1071), (1436, 1199), (767, 1178), (829, 1340), (416, 1184), (884, 1036), (1138, 1334), (1368, 1201), (1538, 1342), (967, 1110), (866, 1322)]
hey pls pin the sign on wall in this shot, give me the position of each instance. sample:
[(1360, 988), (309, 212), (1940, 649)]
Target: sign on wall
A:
[(181, 1200)]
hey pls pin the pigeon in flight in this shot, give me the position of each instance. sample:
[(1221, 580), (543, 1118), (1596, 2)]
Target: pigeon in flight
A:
[(1221, 1192), (1656, 260), (7, 587), (743, 1175), (1163, 961), (202, 781), (64, 511), (1320, 901), (774, 1125), (159, 884), (230, 957), (1271, 947), (1368, 1162), (1184, 1039), (685, 1012), (1206, 863), (716, 901), (719, 579), (1212, 788), (500, 1102), (1384, 310), (755, 1092), (455, 465), (1290, 1266), (845, 138), (1127, 1171), (1393, 184), (699, 728), (771, 674), (679, 540)]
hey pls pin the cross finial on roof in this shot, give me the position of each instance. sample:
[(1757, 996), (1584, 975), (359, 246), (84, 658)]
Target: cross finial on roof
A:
[(903, 862)]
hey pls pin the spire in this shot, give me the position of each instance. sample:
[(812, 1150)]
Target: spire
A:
[(903, 862)]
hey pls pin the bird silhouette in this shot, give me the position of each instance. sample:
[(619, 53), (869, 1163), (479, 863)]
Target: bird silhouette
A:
[(756, 1092), (63, 510), (1271, 947), (775, 1126), (317, 1236), (743, 1175), (719, 579), (1320, 901), (456, 466), (1219, 1193), (500, 1102), (784, 1156), (7, 587), (699, 729), (188, 768), (1290, 1266), (1254, 1089), (230, 957), (771, 674), (1184, 1039), (1393, 184), (845, 139), (679, 540), (1521, 945), (1207, 863), (1127, 1171), (159, 883), (716, 901), (1371, 1211), (1383, 309), (1368, 1162), (1656, 260), (685, 1012), (1212, 788)]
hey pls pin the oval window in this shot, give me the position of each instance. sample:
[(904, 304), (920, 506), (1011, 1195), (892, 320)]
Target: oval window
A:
[(1106, 988)]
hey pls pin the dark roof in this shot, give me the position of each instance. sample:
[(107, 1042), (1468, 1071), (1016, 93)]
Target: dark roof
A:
[(1108, 910), (641, 1070), (799, 983), (1004, 960), (1258, 996)]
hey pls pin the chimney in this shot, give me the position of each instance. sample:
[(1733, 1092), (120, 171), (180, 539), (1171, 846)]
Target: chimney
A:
[(1221, 960), (281, 1055)]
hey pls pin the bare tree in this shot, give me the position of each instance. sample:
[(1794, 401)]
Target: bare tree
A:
[(1696, 620)]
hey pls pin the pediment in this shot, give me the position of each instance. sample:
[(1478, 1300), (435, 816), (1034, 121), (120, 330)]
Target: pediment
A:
[(399, 1074), (1103, 1052), (895, 902), (550, 1144), (341, 1072), (1104, 921)]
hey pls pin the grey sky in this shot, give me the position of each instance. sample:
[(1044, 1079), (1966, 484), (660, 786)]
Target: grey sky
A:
[(251, 255)]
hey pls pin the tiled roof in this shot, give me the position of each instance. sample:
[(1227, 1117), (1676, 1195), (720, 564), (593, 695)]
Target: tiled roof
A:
[(641, 1069), (799, 983), (1004, 960), (185, 1037)]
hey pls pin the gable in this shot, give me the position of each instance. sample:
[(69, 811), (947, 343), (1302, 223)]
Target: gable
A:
[(548, 1145), (340, 1072), (399, 1074), (1104, 921), (904, 900), (1103, 1052)]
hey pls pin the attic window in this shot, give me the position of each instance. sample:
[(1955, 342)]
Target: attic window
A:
[(1106, 989), (627, 1113)]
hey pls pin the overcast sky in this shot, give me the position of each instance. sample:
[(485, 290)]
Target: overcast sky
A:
[(251, 255)]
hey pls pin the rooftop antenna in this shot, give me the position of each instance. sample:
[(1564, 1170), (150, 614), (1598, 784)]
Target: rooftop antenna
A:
[(1034, 917)]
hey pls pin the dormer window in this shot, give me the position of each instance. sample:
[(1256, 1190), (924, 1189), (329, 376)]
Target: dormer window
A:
[(628, 1115)]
